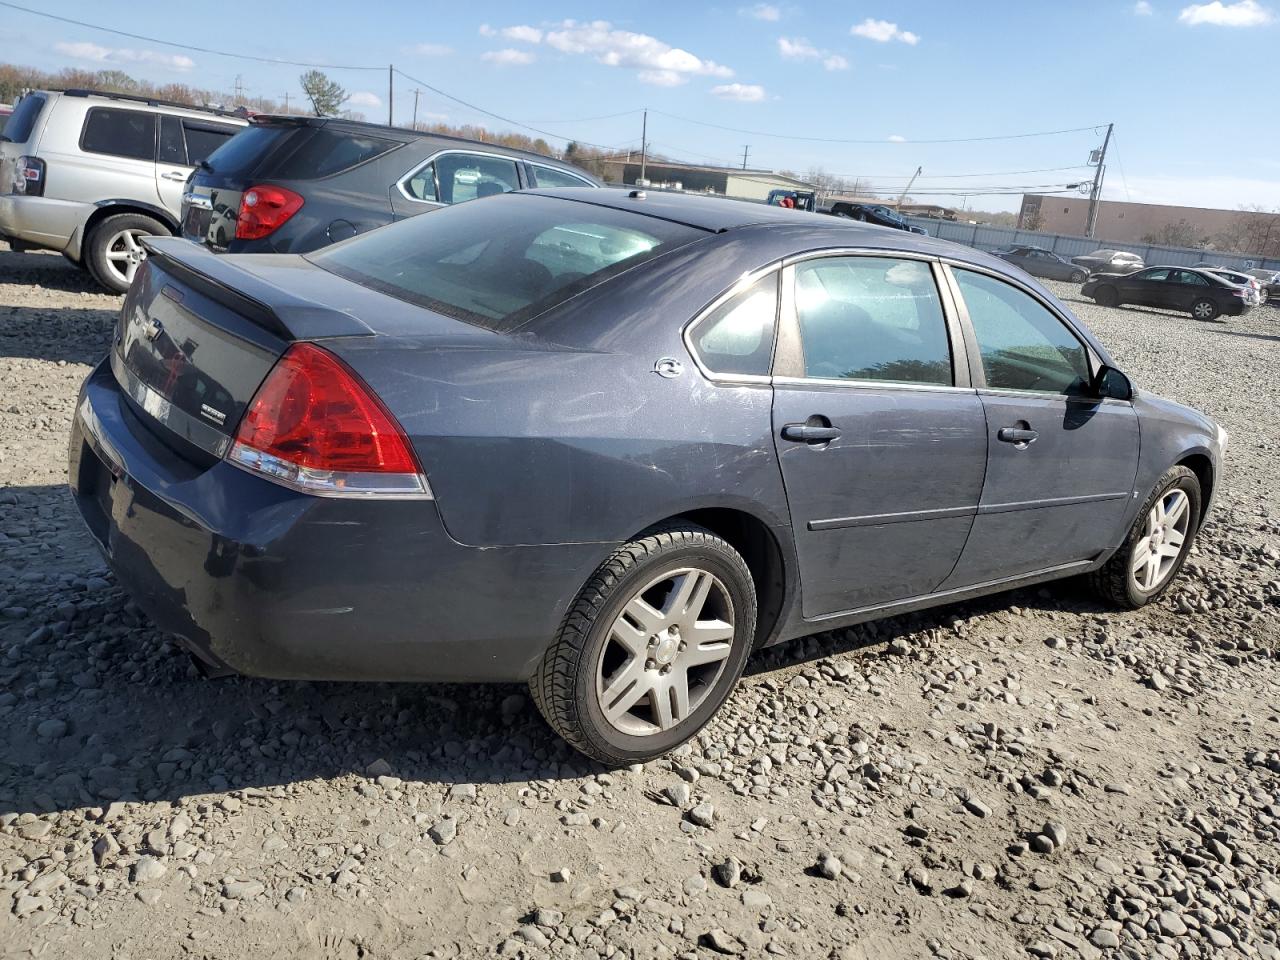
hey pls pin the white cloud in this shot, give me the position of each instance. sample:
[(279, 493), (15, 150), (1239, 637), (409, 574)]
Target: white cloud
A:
[(882, 31), (94, 53), (797, 49), (363, 98), (658, 62), (508, 57), (761, 11), (835, 62), (1245, 13), (487, 31), (432, 50), (661, 78), (743, 92), (523, 34), (1142, 9), (895, 138)]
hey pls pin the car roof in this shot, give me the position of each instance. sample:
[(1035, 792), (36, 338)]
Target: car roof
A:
[(81, 93)]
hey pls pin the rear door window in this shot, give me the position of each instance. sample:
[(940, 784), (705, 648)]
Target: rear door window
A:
[(119, 133), (204, 138), (737, 336), (421, 185), (551, 177), (173, 147), (330, 150), (19, 126), (468, 176)]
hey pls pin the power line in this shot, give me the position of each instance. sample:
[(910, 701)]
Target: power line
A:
[(183, 46), (607, 116), (787, 136), (1120, 163), (954, 176)]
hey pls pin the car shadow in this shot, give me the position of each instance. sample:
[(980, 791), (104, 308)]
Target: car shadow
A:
[(1275, 338), (50, 271), (101, 707)]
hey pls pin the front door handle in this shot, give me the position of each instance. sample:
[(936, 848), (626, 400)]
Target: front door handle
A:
[(1017, 435), (181, 177), (806, 433)]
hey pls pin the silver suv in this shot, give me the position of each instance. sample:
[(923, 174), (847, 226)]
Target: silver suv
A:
[(89, 173)]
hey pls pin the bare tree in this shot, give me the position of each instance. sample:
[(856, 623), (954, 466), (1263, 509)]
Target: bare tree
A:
[(326, 96), (1180, 234), (1255, 229)]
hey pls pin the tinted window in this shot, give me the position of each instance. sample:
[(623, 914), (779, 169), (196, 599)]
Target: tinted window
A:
[(1023, 346), (244, 152), (1154, 275), (466, 176), (172, 147), (203, 139), (737, 337), (422, 185), (1186, 276), (19, 126), (328, 151), (499, 264), (120, 133), (872, 318), (551, 177)]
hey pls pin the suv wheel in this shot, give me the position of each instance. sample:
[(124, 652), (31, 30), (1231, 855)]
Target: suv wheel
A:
[(651, 648), (1204, 310), (114, 252), (1157, 544)]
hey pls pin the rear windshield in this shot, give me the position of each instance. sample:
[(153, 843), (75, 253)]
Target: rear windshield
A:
[(288, 152), (19, 126), (499, 261)]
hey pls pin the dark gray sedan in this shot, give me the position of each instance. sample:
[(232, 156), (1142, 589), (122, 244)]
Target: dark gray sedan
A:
[(609, 444), (1040, 262)]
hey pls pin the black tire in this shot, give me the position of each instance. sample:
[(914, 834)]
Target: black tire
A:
[(1078, 276), (1106, 297), (564, 685), (1113, 580), (104, 236), (1205, 310)]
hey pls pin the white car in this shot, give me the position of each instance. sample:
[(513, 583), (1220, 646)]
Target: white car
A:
[(1251, 284)]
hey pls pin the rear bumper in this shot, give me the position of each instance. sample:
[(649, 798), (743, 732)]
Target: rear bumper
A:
[(42, 221), (274, 583)]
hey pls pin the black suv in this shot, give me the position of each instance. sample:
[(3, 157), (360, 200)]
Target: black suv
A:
[(294, 184), (875, 213)]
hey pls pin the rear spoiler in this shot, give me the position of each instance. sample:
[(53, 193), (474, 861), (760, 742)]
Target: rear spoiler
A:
[(218, 277)]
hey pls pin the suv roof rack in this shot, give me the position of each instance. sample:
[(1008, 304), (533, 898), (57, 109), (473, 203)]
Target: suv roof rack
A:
[(149, 101)]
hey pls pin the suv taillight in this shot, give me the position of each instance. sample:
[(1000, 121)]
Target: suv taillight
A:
[(263, 209), (314, 426), (28, 176)]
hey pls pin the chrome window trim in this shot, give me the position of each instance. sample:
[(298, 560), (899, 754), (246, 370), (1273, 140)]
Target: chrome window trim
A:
[(567, 173), (400, 184), (787, 381), (739, 285)]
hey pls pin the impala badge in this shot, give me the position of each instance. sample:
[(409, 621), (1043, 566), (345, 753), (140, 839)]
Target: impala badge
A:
[(668, 367), (209, 413)]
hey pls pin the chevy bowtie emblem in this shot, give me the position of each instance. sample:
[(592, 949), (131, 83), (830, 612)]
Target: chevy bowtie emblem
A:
[(152, 328)]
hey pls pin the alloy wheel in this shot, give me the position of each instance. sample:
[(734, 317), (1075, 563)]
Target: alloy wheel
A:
[(665, 652), (1203, 310), (125, 254), (1163, 539)]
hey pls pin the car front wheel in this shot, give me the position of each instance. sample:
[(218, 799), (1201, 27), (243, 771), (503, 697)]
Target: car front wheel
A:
[(651, 648), (1204, 310), (1106, 297), (1078, 276), (1157, 544), (114, 250)]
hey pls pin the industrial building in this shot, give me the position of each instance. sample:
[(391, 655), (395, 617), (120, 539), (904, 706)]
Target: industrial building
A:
[(1129, 222), (728, 181)]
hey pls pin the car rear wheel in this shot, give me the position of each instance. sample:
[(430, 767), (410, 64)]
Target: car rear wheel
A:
[(1204, 310), (651, 648), (114, 251), (1078, 276), (1106, 297), (1157, 544)]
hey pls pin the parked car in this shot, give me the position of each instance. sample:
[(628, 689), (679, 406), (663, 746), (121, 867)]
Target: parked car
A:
[(295, 184), (609, 444), (1270, 280), (1040, 262), (1241, 279), (1203, 294), (875, 213), (90, 174), (1109, 261)]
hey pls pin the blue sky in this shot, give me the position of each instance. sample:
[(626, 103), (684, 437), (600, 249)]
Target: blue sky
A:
[(1191, 87)]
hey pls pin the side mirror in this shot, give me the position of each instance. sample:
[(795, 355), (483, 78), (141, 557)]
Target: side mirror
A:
[(1110, 384)]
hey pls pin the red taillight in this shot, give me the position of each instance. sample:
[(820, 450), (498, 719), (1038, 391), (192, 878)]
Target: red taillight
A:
[(263, 209), (28, 177), (313, 425)]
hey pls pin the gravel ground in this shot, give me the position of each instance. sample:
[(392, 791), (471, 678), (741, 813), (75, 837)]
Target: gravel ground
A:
[(1029, 775)]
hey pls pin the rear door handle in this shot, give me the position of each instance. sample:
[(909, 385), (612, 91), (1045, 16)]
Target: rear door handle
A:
[(1017, 435), (804, 433)]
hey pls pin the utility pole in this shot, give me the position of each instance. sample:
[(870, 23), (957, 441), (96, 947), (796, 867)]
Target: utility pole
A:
[(745, 149), (416, 93), (902, 196), (286, 101), (239, 88), (644, 142), (391, 93), (1095, 197)]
